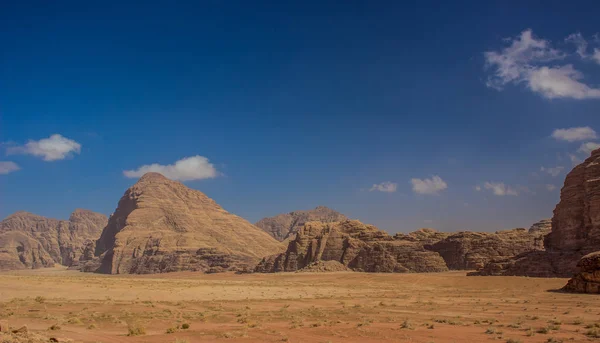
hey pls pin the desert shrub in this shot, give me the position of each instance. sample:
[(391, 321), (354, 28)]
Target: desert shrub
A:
[(185, 326), (40, 299), (513, 340), (490, 331), (54, 327), (406, 325), (594, 333), (543, 330), (171, 330), (135, 330)]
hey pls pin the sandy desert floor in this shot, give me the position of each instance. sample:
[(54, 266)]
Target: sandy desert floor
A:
[(295, 307)]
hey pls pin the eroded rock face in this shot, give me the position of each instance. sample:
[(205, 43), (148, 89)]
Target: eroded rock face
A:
[(472, 250), (285, 226), (587, 280), (355, 245), (38, 241), (575, 228), (19, 251), (162, 226)]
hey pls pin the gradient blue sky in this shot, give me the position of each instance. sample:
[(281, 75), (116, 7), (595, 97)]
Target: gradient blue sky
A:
[(302, 103)]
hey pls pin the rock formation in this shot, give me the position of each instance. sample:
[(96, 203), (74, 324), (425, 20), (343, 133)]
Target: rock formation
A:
[(285, 226), (162, 226), (31, 241), (355, 245), (19, 251), (575, 229), (472, 250), (587, 280)]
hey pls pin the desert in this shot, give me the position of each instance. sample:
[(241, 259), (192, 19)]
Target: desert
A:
[(299, 171), (294, 307)]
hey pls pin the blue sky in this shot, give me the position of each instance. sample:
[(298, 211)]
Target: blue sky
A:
[(402, 115)]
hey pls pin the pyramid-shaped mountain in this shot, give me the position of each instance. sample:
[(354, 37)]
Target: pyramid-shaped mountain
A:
[(163, 226)]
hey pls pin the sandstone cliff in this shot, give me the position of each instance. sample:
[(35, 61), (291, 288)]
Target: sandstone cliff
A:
[(575, 229), (355, 245), (472, 250), (285, 226), (162, 226), (31, 241)]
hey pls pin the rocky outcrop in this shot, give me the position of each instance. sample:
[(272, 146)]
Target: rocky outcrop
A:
[(19, 251), (285, 226), (587, 280), (355, 245), (472, 250), (575, 229), (162, 226), (31, 241)]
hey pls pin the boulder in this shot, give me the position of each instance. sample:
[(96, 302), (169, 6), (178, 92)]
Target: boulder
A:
[(587, 279)]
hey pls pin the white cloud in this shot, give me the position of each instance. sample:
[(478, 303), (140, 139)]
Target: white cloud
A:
[(428, 186), (522, 62), (554, 171), (189, 168), (7, 167), (560, 82), (550, 187), (500, 189), (54, 148), (587, 148), (574, 134), (387, 186), (478, 188)]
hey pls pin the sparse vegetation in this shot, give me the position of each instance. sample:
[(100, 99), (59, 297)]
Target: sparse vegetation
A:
[(406, 325), (135, 330)]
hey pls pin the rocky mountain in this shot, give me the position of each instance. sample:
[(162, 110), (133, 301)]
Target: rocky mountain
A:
[(472, 250), (356, 246), (575, 229), (31, 241), (162, 226), (285, 226)]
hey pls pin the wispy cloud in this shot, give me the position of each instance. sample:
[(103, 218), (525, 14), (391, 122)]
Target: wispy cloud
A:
[(387, 187), (550, 187), (434, 185), (54, 148), (554, 171), (587, 148), (574, 134), (500, 189), (7, 167), (186, 169), (525, 61)]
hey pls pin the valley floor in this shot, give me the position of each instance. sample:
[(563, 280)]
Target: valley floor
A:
[(295, 307)]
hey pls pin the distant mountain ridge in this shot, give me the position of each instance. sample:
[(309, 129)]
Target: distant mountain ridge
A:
[(31, 241)]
